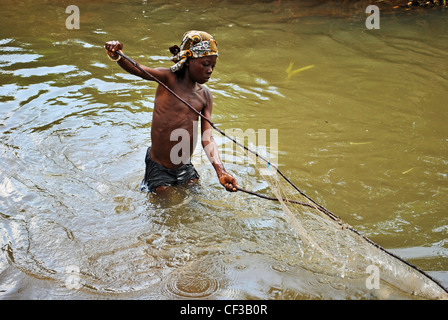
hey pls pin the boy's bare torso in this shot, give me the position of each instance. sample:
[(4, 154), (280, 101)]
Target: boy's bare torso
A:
[(170, 116)]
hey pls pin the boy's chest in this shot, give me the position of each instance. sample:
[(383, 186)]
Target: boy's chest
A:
[(194, 99), (168, 108)]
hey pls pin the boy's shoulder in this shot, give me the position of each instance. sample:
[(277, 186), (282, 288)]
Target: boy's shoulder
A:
[(206, 92), (166, 72), (170, 79)]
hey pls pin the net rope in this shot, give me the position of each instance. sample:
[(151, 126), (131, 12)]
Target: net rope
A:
[(327, 244)]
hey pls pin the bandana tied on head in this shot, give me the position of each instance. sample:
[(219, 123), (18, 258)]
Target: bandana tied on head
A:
[(195, 44)]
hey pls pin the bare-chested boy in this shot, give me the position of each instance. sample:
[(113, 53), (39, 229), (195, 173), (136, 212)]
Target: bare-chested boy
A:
[(194, 61)]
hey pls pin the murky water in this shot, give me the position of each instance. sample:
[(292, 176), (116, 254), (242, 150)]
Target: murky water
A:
[(363, 132)]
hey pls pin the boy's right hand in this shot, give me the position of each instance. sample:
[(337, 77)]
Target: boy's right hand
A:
[(112, 46)]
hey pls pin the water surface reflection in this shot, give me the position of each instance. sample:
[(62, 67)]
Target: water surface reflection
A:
[(363, 132)]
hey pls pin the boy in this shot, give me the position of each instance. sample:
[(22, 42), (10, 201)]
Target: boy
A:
[(194, 61)]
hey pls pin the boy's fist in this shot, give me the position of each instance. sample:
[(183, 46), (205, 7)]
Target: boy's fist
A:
[(112, 46)]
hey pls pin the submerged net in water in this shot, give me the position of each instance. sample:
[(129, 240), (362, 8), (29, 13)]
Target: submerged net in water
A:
[(331, 247)]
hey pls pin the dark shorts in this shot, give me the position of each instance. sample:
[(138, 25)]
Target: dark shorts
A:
[(157, 175)]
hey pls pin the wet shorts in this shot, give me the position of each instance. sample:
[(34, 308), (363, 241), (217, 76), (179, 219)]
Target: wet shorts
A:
[(157, 175)]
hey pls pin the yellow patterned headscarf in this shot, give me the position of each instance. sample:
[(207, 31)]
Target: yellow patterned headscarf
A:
[(195, 44)]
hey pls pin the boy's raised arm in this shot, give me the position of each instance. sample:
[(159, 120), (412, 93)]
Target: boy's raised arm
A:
[(113, 46)]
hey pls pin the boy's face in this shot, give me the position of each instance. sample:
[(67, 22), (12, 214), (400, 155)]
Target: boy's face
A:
[(201, 69)]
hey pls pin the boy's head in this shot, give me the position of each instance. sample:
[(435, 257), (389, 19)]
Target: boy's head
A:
[(195, 44)]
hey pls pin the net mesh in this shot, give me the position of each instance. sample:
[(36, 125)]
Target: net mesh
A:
[(329, 246)]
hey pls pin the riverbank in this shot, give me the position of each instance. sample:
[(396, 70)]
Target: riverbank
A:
[(349, 9)]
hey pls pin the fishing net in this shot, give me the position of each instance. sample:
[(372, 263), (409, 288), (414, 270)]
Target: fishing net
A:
[(330, 247), (327, 245)]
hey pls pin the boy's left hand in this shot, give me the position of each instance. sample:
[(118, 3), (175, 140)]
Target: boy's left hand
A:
[(228, 181)]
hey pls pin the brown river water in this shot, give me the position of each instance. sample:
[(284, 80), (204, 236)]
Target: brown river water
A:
[(362, 130)]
